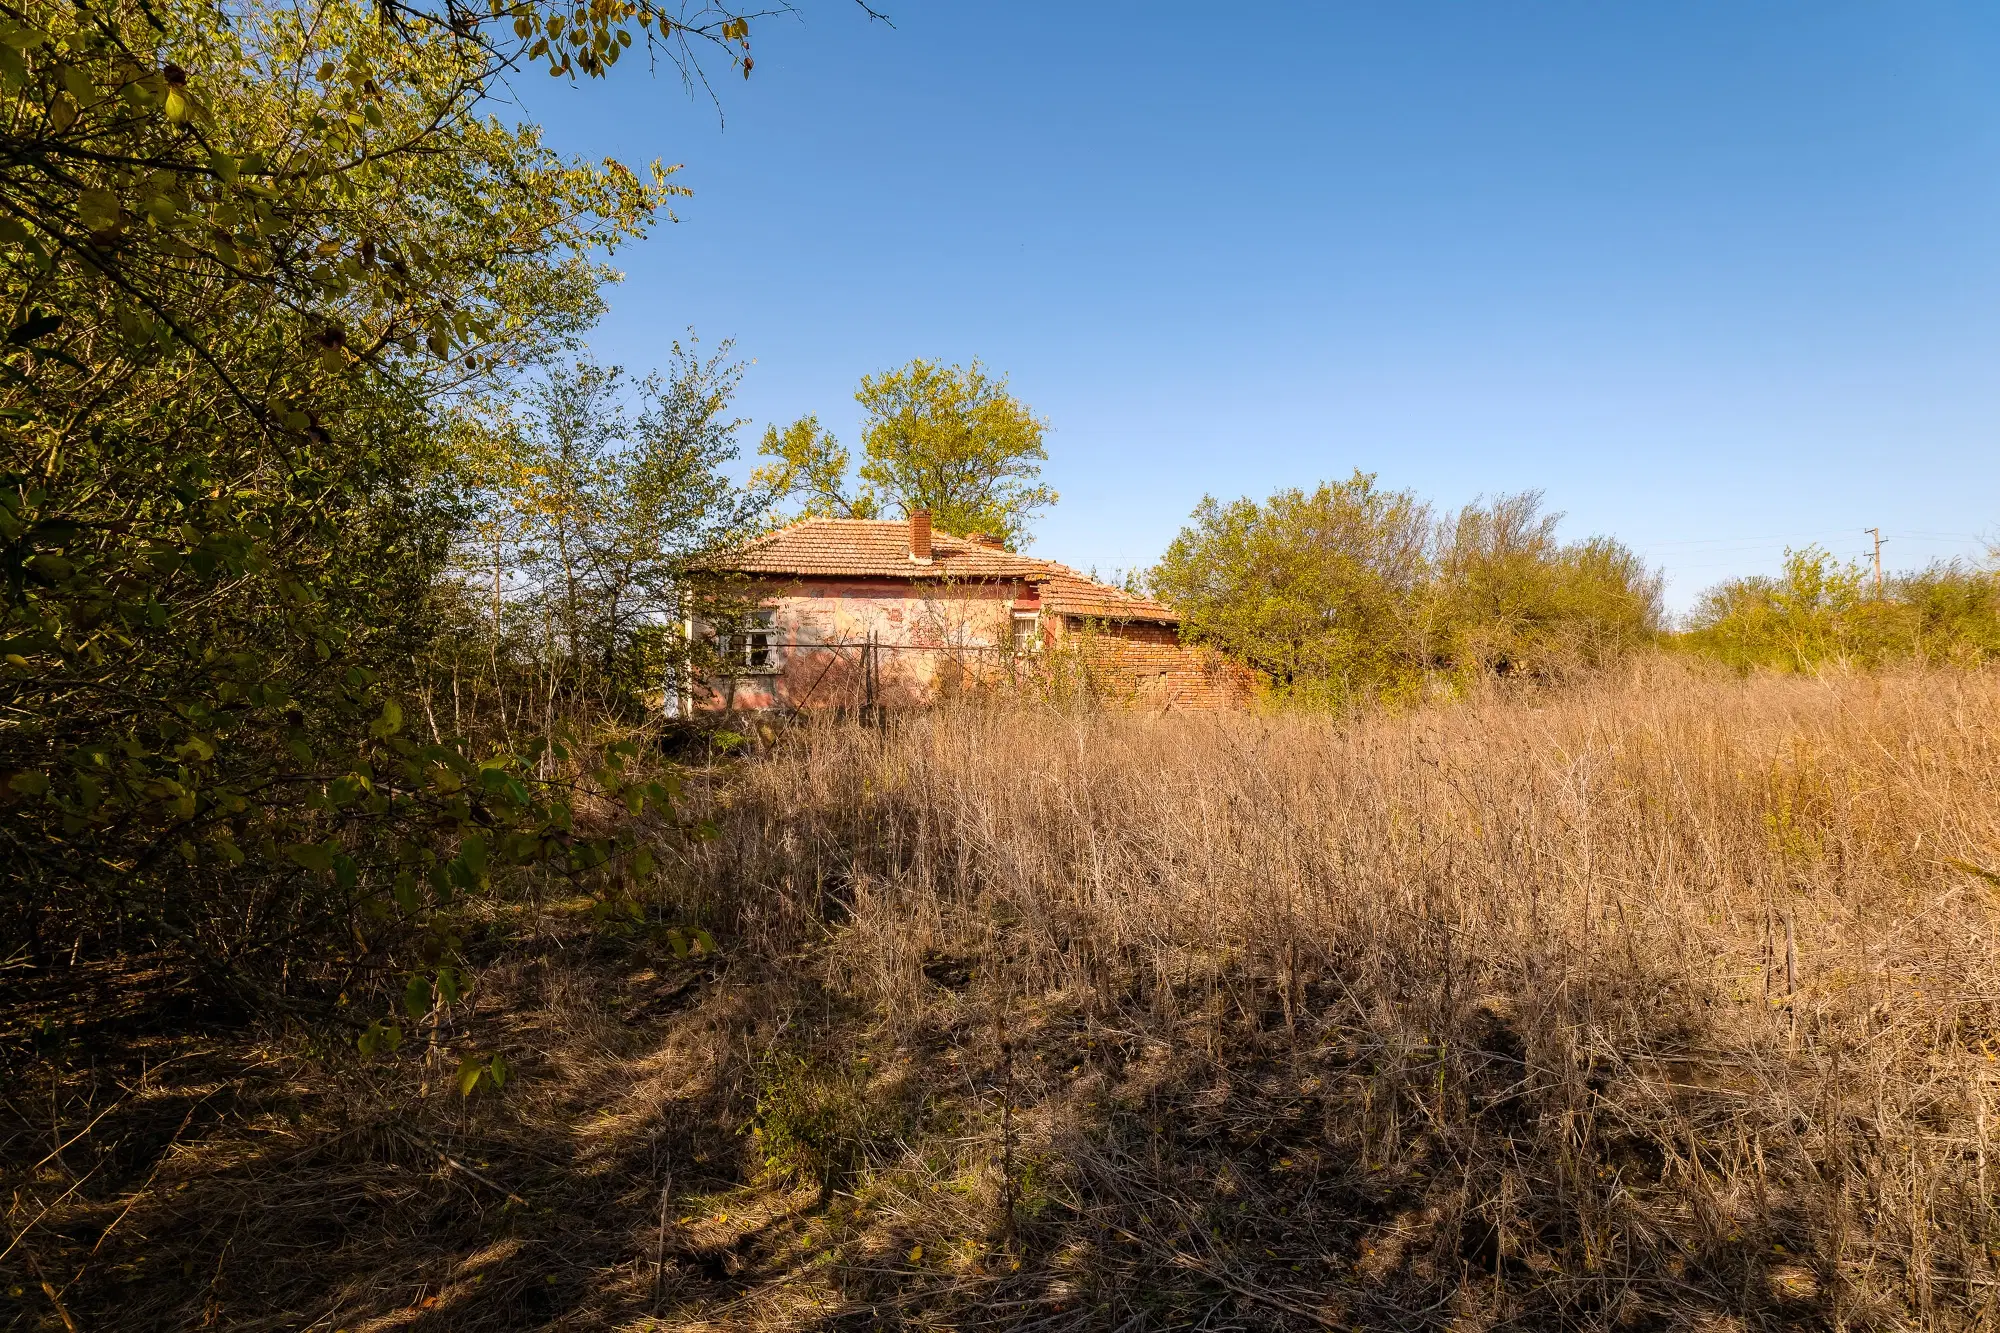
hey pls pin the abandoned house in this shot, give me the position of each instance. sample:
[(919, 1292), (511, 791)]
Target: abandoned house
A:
[(866, 614)]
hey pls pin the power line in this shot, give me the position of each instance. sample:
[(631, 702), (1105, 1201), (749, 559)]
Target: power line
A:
[(1712, 541)]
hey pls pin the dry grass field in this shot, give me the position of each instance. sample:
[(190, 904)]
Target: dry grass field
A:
[(1668, 1000)]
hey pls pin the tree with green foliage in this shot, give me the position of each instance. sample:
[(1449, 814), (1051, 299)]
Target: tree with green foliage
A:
[(257, 259), (1351, 592), (1821, 611), (950, 439), (597, 498), (810, 467), (1315, 589), (1507, 595)]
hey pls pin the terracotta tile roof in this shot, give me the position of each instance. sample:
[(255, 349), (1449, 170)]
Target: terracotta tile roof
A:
[(1069, 593), (868, 547), (880, 548)]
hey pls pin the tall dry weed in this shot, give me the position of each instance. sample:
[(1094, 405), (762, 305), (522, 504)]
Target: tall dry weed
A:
[(1670, 997), (1661, 1001)]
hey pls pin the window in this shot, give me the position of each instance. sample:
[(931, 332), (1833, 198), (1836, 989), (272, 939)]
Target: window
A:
[(749, 644), (757, 639), (1027, 633)]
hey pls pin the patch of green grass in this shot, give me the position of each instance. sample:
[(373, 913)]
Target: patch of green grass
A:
[(818, 1118)]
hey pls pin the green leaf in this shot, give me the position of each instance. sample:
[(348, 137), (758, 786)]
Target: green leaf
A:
[(470, 1071), (311, 856), (246, 513), (379, 1037), (417, 997), (498, 1070)]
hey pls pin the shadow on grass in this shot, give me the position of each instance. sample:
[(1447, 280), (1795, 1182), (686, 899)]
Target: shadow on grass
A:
[(688, 1146)]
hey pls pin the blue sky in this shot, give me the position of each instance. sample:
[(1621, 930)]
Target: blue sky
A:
[(1716, 277)]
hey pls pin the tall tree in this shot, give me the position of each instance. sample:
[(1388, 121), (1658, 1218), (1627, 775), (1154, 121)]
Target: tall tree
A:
[(599, 497), (255, 258), (1509, 595), (1350, 590), (1315, 589), (810, 466), (950, 439), (953, 440)]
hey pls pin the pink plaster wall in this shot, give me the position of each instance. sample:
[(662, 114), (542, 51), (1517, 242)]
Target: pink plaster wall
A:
[(930, 641)]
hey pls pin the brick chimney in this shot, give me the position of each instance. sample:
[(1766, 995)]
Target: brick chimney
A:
[(920, 536)]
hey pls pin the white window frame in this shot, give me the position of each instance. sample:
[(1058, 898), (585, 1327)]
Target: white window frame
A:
[(1032, 620), (750, 646)]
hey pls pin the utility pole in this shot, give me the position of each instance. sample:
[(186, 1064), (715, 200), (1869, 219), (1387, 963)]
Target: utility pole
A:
[(1878, 560)]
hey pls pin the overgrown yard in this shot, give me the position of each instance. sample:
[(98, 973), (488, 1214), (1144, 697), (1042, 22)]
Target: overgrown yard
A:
[(1668, 1000)]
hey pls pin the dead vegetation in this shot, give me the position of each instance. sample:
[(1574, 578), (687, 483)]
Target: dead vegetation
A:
[(1666, 1001)]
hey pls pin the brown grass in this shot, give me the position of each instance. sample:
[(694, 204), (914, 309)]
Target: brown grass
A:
[(1664, 1001)]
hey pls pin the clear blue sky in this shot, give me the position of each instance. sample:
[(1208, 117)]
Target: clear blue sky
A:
[(1714, 276)]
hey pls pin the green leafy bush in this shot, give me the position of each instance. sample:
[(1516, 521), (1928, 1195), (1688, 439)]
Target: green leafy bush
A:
[(258, 259), (1821, 611), (1351, 592)]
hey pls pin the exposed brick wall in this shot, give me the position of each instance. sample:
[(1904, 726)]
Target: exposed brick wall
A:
[(1168, 677)]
